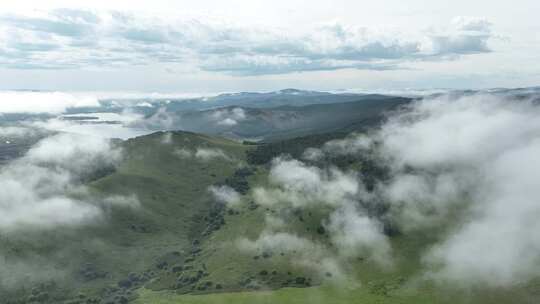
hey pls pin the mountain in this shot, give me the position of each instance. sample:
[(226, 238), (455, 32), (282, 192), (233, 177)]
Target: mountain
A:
[(286, 97), (282, 122)]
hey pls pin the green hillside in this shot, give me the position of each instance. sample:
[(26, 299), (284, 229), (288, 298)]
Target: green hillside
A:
[(130, 246), (181, 245)]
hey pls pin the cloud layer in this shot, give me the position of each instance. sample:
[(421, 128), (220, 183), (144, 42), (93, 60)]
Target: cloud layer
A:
[(67, 39), (469, 163), (484, 150), (42, 102), (477, 154)]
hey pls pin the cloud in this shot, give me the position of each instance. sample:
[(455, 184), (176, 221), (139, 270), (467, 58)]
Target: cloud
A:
[(203, 154), (469, 163), (228, 117), (464, 166), (354, 233), (160, 120), (285, 242), (43, 190), (339, 195), (206, 154), (105, 125), (19, 132), (68, 39), (28, 270), (63, 22), (167, 139), (350, 145), (302, 251), (495, 148), (183, 153), (225, 194), (42, 102), (467, 35), (300, 185)]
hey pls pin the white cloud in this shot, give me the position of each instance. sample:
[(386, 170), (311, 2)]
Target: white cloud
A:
[(67, 39), (207, 154), (475, 155), (351, 231), (354, 233), (284, 242), (225, 194), (467, 35), (302, 251), (467, 162), (228, 117), (183, 153), (352, 144), (301, 185), (42, 189), (160, 120), (107, 125), (166, 139), (202, 154), (42, 102), (10, 132)]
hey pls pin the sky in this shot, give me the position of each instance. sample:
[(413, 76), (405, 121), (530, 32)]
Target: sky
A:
[(215, 46)]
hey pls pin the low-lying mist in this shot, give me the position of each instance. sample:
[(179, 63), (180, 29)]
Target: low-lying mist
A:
[(467, 167), (45, 190)]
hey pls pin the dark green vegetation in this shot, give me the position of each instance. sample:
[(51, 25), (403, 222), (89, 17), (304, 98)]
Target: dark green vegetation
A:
[(264, 153)]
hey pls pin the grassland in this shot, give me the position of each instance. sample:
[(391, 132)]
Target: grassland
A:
[(180, 246), (95, 261)]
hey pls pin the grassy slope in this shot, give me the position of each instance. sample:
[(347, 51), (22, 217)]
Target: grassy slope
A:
[(372, 285), (173, 195), (174, 199), (228, 266)]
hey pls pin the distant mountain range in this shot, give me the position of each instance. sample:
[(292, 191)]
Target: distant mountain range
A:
[(283, 122), (286, 97)]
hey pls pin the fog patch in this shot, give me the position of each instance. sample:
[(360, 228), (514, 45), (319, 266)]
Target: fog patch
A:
[(160, 120), (43, 102), (44, 188), (352, 232), (207, 154), (105, 125), (19, 132), (302, 251), (27, 271), (300, 185), (469, 161), (466, 162), (183, 153), (167, 139), (225, 194), (228, 117), (202, 154)]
